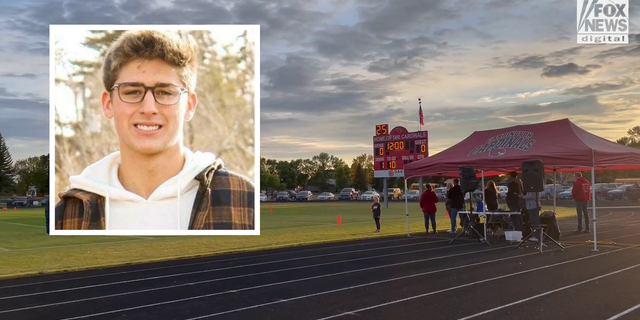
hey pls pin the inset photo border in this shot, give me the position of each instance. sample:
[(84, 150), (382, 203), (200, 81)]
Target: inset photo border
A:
[(155, 129)]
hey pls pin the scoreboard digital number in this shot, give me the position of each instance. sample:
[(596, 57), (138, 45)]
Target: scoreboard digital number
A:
[(392, 149)]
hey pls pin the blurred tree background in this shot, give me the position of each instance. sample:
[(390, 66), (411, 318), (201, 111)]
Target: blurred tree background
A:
[(224, 120)]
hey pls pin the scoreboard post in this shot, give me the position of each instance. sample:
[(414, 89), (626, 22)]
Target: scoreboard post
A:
[(393, 149)]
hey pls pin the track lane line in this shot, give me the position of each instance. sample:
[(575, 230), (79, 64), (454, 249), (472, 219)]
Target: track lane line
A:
[(625, 312), (254, 287), (234, 267), (330, 291), (455, 287), (206, 262), (549, 292)]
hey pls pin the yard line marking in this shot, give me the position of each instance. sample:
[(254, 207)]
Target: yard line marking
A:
[(23, 224), (550, 292), (223, 260), (72, 245), (236, 267), (3, 249), (624, 312), (456, 287), (259, 286)]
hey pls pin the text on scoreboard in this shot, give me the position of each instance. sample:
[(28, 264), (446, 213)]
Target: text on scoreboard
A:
[(392, 149)]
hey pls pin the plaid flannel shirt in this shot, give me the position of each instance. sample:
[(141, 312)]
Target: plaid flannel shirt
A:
[(224, 201)]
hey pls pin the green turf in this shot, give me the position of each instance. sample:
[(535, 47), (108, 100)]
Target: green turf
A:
[(26, 249)]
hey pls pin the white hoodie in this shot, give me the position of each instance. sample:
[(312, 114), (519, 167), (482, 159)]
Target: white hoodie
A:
[(168, 207)]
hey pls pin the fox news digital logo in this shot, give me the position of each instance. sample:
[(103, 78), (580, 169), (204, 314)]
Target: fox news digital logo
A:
[(603, 22)]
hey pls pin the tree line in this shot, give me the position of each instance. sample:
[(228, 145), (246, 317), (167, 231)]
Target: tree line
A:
[(320, 169), (17, 178)]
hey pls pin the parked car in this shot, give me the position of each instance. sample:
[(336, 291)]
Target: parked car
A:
[(633, 193), (620, 193), (412, 195), (20, 201), (286, 195), (441, 193), (566, 195), (304, 196), (601, 189), (547, 193), (348, 194), (369, 195), (326, 196), (394, 193), (477, 195), (263, 196)]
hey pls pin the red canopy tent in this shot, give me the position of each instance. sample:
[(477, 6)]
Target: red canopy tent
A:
[(560, 144)]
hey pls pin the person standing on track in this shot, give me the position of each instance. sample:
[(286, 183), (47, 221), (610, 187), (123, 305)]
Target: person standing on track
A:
[(428, 202), (581, 192), (515, 199), (457, 203), (376, 209)]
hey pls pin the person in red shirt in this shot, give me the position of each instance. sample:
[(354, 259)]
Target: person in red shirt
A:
[(428, 202), (581, 193)]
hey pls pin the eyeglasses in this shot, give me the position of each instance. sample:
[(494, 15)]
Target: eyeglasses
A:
[(165, 94)]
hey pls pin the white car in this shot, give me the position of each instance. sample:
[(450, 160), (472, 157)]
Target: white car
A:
[(263, 196), (411, 195), (369, 195), (326, 196)]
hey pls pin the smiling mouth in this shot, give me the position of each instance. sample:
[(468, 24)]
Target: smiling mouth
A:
[(148, 127)]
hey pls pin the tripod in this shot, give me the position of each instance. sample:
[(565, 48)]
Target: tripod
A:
[(471, 224), (543, 234)]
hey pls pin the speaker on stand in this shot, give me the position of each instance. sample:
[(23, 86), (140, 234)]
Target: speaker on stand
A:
[(533, 181), (468, 183)]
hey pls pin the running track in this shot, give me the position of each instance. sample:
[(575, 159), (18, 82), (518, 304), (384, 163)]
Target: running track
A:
[(414, 277)]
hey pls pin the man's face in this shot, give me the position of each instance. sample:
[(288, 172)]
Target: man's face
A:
[(146, 127)]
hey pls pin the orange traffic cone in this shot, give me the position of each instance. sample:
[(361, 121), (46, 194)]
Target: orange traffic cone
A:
[(339, 220)]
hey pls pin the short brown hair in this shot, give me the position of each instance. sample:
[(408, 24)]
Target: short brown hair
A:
[(180, 51)]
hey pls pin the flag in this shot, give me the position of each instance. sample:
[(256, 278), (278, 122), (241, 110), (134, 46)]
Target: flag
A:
[(421, 116)]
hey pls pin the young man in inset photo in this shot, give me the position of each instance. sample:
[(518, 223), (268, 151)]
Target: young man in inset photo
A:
[(154, 182)]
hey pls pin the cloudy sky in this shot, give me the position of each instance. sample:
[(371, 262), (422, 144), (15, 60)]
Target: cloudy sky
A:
[(332, 70)]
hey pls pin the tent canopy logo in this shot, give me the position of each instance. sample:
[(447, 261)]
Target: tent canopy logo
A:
[(603, 22), (497, 145)]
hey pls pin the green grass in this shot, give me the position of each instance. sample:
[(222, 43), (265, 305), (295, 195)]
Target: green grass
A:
[(26, 249)]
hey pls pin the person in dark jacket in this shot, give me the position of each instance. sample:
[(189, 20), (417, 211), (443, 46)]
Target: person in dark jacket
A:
[(428, 202), (581, 192), (457, 203), (491, 196), (515, 199), (376, 209)]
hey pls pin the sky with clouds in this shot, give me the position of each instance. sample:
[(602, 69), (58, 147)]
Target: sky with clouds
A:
[(332, 70)]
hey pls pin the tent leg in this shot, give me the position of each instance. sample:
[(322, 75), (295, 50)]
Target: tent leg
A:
[(484, 206), (406, 206), (593, 198), (555, 192)]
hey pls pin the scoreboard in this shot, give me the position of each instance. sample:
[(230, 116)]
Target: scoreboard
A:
[(393, 149)]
